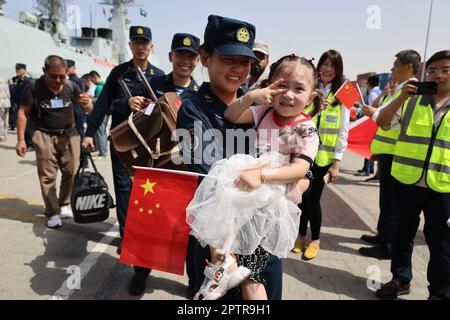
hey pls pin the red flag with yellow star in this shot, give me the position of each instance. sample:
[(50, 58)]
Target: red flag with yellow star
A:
[(348, 94), (156, 233)]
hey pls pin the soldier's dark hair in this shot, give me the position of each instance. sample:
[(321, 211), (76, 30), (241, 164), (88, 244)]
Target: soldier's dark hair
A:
[(207, 48), (86, 76), (410, 57), (283, 63), (94, 73), (54, 61), (441, 55)]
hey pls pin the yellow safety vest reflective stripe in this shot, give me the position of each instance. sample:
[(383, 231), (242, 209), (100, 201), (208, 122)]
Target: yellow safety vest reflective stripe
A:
[(330, 122), (385, 140), (421, 149)]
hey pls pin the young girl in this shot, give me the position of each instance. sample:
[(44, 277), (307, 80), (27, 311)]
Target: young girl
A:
[(332, 124), (254, 200)]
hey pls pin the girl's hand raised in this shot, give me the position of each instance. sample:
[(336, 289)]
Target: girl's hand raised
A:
[(266, 95)]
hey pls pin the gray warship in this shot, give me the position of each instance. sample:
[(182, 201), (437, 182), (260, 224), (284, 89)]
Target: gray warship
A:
[(36, 35)]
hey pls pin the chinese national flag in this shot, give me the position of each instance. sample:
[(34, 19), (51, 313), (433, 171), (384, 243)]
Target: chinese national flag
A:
[(360, 136), (348, 94), (156, 233)]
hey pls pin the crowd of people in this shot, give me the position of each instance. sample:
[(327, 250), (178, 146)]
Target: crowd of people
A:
[(281, 184)]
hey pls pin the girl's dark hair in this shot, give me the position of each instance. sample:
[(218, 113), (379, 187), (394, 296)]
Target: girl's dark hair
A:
[(276, 67), (336, 60)]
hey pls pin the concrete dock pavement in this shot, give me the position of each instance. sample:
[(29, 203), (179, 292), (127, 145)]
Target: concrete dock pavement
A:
[(38, 263)]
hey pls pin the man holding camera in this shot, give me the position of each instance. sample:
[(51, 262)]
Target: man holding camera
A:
[(421, 168)]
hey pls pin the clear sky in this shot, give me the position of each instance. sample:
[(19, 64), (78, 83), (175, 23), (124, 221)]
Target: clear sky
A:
[(305, 27)]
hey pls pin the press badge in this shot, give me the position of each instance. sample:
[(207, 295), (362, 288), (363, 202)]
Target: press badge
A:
[(331, 119), (56, 103), (149, 109)]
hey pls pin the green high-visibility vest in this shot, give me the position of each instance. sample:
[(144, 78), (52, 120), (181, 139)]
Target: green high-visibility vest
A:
[(385, 140), (329, 122), (421, 149)]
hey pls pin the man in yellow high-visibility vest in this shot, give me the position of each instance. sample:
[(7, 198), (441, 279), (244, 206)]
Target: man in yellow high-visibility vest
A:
[(421, 168), (405, 66)]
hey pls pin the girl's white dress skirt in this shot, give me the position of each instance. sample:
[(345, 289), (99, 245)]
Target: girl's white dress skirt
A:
[(235, 221)]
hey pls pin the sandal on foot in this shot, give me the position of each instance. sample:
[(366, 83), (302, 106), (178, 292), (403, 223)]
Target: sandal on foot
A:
[(218, 280)]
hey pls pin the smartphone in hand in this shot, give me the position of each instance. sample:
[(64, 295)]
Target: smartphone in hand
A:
[(425, 88)]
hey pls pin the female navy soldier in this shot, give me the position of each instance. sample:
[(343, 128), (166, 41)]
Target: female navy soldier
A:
[(226, 53)]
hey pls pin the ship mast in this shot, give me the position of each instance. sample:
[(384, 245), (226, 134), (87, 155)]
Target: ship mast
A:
[(55, 13), (120, 24), (55, 10)]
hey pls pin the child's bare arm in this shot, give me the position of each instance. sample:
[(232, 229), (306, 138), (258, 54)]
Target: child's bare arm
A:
[(239, 111), (291, 172), (252, 178)]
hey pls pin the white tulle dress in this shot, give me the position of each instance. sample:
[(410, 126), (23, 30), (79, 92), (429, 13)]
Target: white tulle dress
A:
[(235, 221)]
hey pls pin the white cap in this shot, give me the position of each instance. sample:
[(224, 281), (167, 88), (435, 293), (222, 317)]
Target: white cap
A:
[(261, 47)]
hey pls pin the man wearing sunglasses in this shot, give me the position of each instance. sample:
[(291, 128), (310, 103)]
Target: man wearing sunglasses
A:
[(49, 101)]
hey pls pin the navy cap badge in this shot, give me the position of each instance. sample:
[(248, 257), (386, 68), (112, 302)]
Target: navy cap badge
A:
[(187, 42), (243, 35), (140, 30)]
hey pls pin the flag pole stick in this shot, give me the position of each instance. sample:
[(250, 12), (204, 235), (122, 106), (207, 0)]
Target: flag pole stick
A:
[(186, 173), (422, 76)]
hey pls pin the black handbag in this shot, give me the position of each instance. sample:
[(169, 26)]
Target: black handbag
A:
[(90, 198)]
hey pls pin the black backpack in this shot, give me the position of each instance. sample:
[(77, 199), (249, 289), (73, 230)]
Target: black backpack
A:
[(90, 199)]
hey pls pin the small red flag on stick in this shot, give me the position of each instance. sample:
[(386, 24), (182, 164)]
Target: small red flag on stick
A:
[(156, 232), (348, 94)]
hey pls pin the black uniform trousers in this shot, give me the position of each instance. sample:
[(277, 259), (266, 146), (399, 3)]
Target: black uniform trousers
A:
[(387, 201), (411, 201)]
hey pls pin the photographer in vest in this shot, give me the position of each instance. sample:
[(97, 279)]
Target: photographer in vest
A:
[(421, 168), (50, 101), (405, 66)]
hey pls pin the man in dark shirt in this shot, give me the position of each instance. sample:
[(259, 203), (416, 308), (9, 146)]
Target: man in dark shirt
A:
[(141, 46), (49, 101)]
